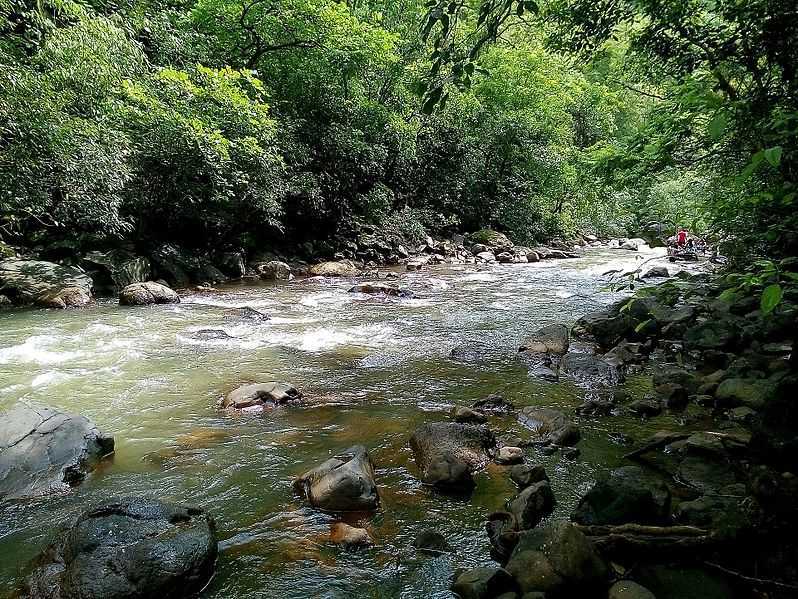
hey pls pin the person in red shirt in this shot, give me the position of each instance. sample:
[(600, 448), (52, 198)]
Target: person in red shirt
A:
[(681, 237)]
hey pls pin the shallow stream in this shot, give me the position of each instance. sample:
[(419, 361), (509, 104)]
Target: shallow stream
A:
[(371, 369)]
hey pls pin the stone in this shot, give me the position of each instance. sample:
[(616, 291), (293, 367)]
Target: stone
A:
[(483, 583), (557, 560), (717, 333), (260, 396), (34, 281), (504, 258), (380, 289), (244, 313), (431, 542), (117, 269), (552, 339), (493, 404), (341, 268), (5, 302), (524, 475), (488, 257), (342, 484), (147, 293), (448, 453), (674, 396), (129, 549), (532, 504), (604, 327), (656, 272), (183, 267), (491, 239), (274, 270), (592, 369), (468, 416), (43, 450), (570, 453), (233, 264), (627, 589), (349, 536), (510, 455), (645, 407), (502, 531), (627, 495), (549, 425), (743, 392)]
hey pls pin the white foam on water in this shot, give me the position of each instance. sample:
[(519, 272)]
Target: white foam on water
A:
[(479, 276), (325, 298), (50, 377), (34, 351)]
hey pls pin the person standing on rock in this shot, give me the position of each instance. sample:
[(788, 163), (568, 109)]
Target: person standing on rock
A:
[(681, 237)]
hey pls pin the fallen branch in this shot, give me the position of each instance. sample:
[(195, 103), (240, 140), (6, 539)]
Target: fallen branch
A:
[(775, 584), (644, 540), (659, 441)]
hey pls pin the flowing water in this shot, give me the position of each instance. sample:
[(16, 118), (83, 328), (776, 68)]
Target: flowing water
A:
[(371, 369)]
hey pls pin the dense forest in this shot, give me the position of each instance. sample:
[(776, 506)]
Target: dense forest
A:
[(287, 123)]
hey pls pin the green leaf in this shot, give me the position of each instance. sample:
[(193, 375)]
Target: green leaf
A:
[(728, 296), (642, 325), (717, 126), (771, 297), (432, 99), (773, 155)]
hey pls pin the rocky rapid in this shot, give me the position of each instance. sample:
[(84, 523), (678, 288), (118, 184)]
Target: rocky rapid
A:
[(362, 371)]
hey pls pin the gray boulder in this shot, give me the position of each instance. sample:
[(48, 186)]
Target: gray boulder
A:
[(524, 475), (39, 282), (182, 267), (557, 560), (341, 484), (117, 269), (44, 450), (341, 268), (448, 453), (129, 549), (484, 583), (274, 271), (532, 504), (594, 370), (605, 327), (380, 289), (549, 426), (553, 339), (147, 293), (260, 396), (627, 495)]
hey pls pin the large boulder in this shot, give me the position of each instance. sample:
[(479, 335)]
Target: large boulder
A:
[(343, 483), (149, 292), (129, 549), (626, 495), (549, 426), (743, 392), (261, 396), (380, 289), (274, 271), (492, 239), (605, 327), (551, 339), (117, 269), (44, 450), (341, 268), (592, 369), (484, 583), (35, 281), (716, 333), (448, 453), (628, 589), (532, 504), (182, 267), (557, 560)]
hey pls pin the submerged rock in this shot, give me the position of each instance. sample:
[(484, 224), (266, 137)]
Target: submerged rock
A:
[(493, 404), (380, 289), (149, 292), (129, 549), (260, 396), (244, 313), (468, 416), (550, 426), (431, 542), (484, 583), (349, 536), (524, 475), (342, 484), (552, 339), (592, 369), (532, 504), (68, 297), (557, 560), (43, 450), (626, 495), (448, 453)]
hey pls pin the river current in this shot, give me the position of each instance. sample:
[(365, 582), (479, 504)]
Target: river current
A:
[(371, 368)]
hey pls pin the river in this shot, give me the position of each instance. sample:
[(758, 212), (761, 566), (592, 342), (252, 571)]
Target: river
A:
[(371, 369)]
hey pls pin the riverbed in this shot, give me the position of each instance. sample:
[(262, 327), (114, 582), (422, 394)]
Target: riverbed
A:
[(371, 369)]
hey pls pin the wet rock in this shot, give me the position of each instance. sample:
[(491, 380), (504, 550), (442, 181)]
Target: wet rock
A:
[(633, 244), (743, 392), (502, 531), (592, 369), (431, 542), (570, 453), (552, 339), (349, 536), (627, 495), (718, 512), (716, 333), (550, 426), (656, 272), (676, 376), (448, 453), (245, 313), (341, 484), (182, 267), (68, 297), (211, 335), (596, 407), (674, 396), (129, 549), (647, 408), (706, 474), (627, 589), (605, 327), (468, 416), (557, 560), (504, 258), (116, 269), (233, 264), (494, 404), (484, 583), (43, 450), (260, 396), (341, 268), (532, 504), (524, 475), (34, 281), (274, 271), (380, 289), (488, 257), (147, 293), (5, 302), (510, 455), (491, 239)]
